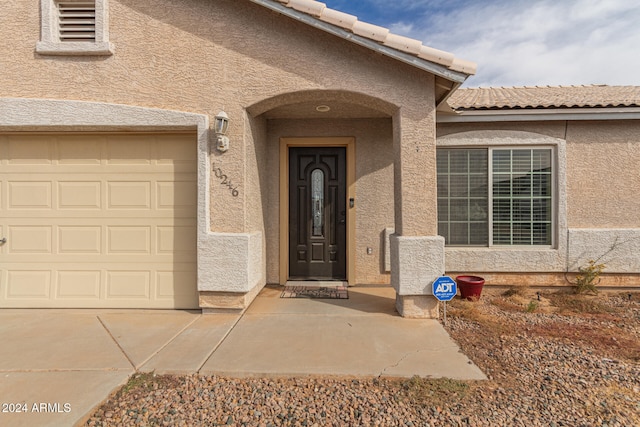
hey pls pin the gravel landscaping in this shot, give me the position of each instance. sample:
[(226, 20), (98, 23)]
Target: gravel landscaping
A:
[(552, 359)]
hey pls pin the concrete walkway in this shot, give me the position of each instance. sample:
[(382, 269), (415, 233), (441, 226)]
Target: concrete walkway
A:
[(57, 365)]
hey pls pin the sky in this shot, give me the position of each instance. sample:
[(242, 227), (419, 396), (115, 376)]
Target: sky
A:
[(520, 42)]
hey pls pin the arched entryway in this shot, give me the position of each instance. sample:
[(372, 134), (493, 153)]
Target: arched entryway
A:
[(347, 136)]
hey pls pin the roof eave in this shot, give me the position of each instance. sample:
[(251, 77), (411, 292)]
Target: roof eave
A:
[(617, 113), (436, 69)]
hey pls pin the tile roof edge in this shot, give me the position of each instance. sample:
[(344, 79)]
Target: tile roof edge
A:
[(546, 97), (583, 86), (379, 35)]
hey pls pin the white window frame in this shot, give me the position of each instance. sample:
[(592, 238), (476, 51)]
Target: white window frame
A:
[(50, 43), (450, 200), (490, 194), (515, 258), (554, 196)]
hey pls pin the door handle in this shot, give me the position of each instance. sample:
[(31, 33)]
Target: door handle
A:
[(3, 241)]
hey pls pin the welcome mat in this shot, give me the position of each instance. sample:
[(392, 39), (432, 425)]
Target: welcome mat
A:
[(319, 292)]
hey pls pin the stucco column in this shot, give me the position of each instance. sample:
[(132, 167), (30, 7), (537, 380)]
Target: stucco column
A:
[(417, 252), (230, 252)]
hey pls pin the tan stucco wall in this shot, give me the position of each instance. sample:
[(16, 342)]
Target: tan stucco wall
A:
[(553, 129), (374, 188), (603, 174), (201, 57), (602, 167), (600, 178)]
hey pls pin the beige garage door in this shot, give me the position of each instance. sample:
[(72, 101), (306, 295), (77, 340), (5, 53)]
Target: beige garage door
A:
[(98, 220)]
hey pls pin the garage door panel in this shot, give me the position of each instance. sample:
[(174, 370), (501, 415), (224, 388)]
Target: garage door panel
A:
[(28, 284), (86, 238), (129, 240), (29, 195), (80, 150), (169, 284), (170, 151), (30, 240), (176, 194), (79, 240), (176, 239), (128, 284), (101, 222), (129, 150), (30, 150), (79, 195), (129, 195), (73, 284)]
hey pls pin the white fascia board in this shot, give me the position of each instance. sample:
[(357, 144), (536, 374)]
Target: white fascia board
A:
[(632, 113)]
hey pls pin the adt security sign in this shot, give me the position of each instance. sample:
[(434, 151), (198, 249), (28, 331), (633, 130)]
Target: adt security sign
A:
[(444, 288)]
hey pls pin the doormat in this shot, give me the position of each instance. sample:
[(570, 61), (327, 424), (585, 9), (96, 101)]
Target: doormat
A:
[(318, 292)]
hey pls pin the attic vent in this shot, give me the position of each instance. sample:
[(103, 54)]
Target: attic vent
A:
[(76, 21)]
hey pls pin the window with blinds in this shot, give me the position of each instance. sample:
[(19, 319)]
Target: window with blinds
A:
[(76, 21), (495, 196), (521, 197), (462, 196)]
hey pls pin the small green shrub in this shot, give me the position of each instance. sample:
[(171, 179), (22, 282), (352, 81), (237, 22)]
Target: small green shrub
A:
[(532, 306), (588, 278)]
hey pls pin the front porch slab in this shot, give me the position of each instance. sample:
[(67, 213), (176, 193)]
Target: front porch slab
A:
[(362, 336)]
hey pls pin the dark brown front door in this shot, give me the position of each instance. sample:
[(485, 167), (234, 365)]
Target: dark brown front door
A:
[(317, 213)]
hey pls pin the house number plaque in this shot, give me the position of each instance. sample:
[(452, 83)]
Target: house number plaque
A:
[(224, 180)]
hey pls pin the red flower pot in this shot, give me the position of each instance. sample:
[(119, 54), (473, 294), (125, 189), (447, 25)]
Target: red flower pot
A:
[(470, 287)]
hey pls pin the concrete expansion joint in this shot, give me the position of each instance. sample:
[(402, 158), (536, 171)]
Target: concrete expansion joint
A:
[(213, 350), (117, 344), (169, 341)]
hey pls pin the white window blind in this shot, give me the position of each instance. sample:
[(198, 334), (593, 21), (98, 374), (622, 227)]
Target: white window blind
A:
[(522, 197), (462, 196), (76, 21), (495, 196)]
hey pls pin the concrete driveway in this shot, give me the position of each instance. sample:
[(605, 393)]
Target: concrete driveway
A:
[(57, 365)]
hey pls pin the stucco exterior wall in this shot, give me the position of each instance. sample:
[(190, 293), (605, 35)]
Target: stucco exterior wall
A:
[(602, 167), (553, 129), (603, 174), (202, 57), (374, 188), (600, 183)]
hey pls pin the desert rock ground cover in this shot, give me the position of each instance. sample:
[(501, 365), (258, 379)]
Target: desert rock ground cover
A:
[(553, 359)]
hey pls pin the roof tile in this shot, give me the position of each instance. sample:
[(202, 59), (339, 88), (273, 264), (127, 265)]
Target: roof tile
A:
[(403, 43), (436, 55), (380, 35), (311, 7), (338, 18), (370, 31), (545, 97)]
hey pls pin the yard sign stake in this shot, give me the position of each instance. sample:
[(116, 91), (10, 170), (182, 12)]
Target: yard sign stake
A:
[(444, 288)]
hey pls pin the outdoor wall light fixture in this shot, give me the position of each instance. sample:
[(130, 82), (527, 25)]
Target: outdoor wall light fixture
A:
[(220, 127)]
